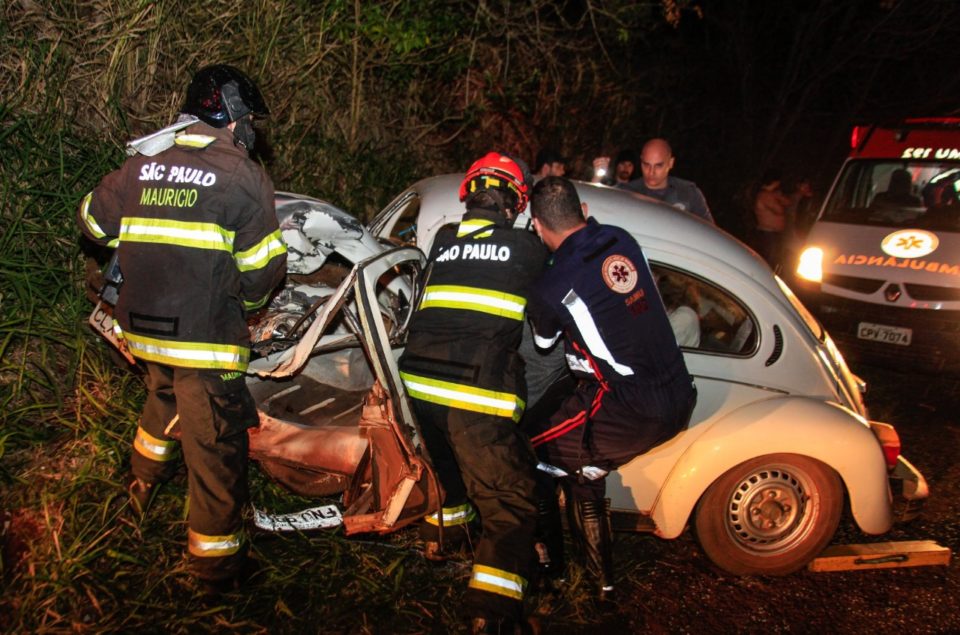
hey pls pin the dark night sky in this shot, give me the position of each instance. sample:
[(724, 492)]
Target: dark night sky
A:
[(758, 84)]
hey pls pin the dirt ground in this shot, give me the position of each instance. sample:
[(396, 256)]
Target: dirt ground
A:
[(671, 587)]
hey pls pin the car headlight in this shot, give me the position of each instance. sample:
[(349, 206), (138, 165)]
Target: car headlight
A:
[(810, 266)]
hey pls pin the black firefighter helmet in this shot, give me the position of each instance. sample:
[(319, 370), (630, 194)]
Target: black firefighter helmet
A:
[(221, 94)]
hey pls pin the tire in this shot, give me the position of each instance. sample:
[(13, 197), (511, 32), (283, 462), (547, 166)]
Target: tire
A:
[(770, 515)]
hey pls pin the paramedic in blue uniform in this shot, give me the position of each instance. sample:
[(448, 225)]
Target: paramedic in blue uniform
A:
[(464, 375), (633, 391)]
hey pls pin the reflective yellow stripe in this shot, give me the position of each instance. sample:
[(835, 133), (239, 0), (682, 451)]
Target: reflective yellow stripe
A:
[(189, 354), (153, 448), (468, 226), (450, 296), (87, 219), (459, 515), (194, 140), (251, 305), (498, 581), (91, 222), (260, 254), (464, 397), (181, 233), (204, 546)]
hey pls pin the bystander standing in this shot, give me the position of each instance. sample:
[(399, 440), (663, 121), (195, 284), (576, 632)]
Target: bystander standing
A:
[(549, 163), (656, 162)]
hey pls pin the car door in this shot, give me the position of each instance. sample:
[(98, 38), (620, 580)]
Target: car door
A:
[(721, 360)]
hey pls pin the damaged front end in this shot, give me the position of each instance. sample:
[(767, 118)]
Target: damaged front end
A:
[(334, 418)]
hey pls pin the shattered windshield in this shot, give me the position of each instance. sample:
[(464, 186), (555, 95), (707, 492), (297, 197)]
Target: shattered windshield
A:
[(897, 193)]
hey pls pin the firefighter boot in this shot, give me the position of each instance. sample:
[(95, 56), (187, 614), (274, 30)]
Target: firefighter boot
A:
[(549, 543), (505, 626), (456, 543), (593, 528), (248, 573), (141, 494)]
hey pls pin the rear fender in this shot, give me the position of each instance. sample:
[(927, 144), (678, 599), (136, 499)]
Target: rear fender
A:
[(824, 431)]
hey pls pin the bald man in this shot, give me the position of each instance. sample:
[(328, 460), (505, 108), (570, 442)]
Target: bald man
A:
[(656, 161)]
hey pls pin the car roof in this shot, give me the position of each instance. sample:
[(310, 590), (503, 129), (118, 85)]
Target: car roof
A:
[(655, 225)]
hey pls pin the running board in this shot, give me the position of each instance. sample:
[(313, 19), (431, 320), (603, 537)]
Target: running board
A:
[(631, 521)]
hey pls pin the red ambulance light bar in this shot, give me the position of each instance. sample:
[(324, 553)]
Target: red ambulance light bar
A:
[(906, 138), (933, 121), (858, 136)]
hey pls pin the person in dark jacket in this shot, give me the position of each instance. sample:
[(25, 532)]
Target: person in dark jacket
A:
[(464, 375), (198, 243), (656, 162), (634, 391)]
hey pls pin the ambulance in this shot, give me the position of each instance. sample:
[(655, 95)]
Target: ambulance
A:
[(881, 265)]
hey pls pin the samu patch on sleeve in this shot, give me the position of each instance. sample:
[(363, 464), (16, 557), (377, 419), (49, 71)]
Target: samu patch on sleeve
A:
[(619, 273), (637, 302)]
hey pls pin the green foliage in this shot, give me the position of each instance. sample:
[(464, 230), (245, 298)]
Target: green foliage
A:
[(46, 169)]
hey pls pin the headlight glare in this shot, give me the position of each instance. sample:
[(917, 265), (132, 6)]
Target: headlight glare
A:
[(810, 266)]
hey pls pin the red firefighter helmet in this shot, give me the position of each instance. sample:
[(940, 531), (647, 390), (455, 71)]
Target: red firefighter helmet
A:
[(499, 172)]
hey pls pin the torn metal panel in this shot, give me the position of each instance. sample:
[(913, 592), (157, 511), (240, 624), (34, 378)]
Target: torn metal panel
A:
[(286, 362), (333, 417), (312, 312), (402, 487), (313, 230)]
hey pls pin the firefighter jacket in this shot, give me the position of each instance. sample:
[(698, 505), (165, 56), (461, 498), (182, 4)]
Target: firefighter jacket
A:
[(599, 291), (198, 243), (462, 347)]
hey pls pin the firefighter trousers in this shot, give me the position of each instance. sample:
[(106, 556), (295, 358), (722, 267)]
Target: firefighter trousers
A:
[(213, 410), (498, 470)]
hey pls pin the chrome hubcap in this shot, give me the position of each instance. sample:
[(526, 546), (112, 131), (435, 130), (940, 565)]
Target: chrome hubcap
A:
[(768, 511)]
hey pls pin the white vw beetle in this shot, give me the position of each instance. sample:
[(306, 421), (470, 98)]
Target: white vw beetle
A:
[(780, 436), (778, 442), (779, 439)]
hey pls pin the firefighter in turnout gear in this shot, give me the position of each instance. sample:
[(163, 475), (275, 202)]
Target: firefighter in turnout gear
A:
[(633, 390), (198, 243), (465, 379)]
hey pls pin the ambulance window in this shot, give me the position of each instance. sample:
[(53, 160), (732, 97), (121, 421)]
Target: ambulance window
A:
[(897, 193), (705, 317)]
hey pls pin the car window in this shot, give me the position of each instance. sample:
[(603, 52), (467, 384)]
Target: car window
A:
[(704, 316), (399, 224), (897, 194)]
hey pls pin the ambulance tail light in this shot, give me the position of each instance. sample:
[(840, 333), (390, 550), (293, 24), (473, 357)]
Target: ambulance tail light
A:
[(810, 266), (889, 442)]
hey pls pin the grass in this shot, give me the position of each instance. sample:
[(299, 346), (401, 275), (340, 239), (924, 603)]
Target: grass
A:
[(76, 558)]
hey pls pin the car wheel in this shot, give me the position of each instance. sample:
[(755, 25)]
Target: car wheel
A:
[(770, 515)]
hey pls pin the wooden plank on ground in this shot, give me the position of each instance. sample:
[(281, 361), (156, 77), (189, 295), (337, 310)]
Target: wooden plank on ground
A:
[(881, 555)]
